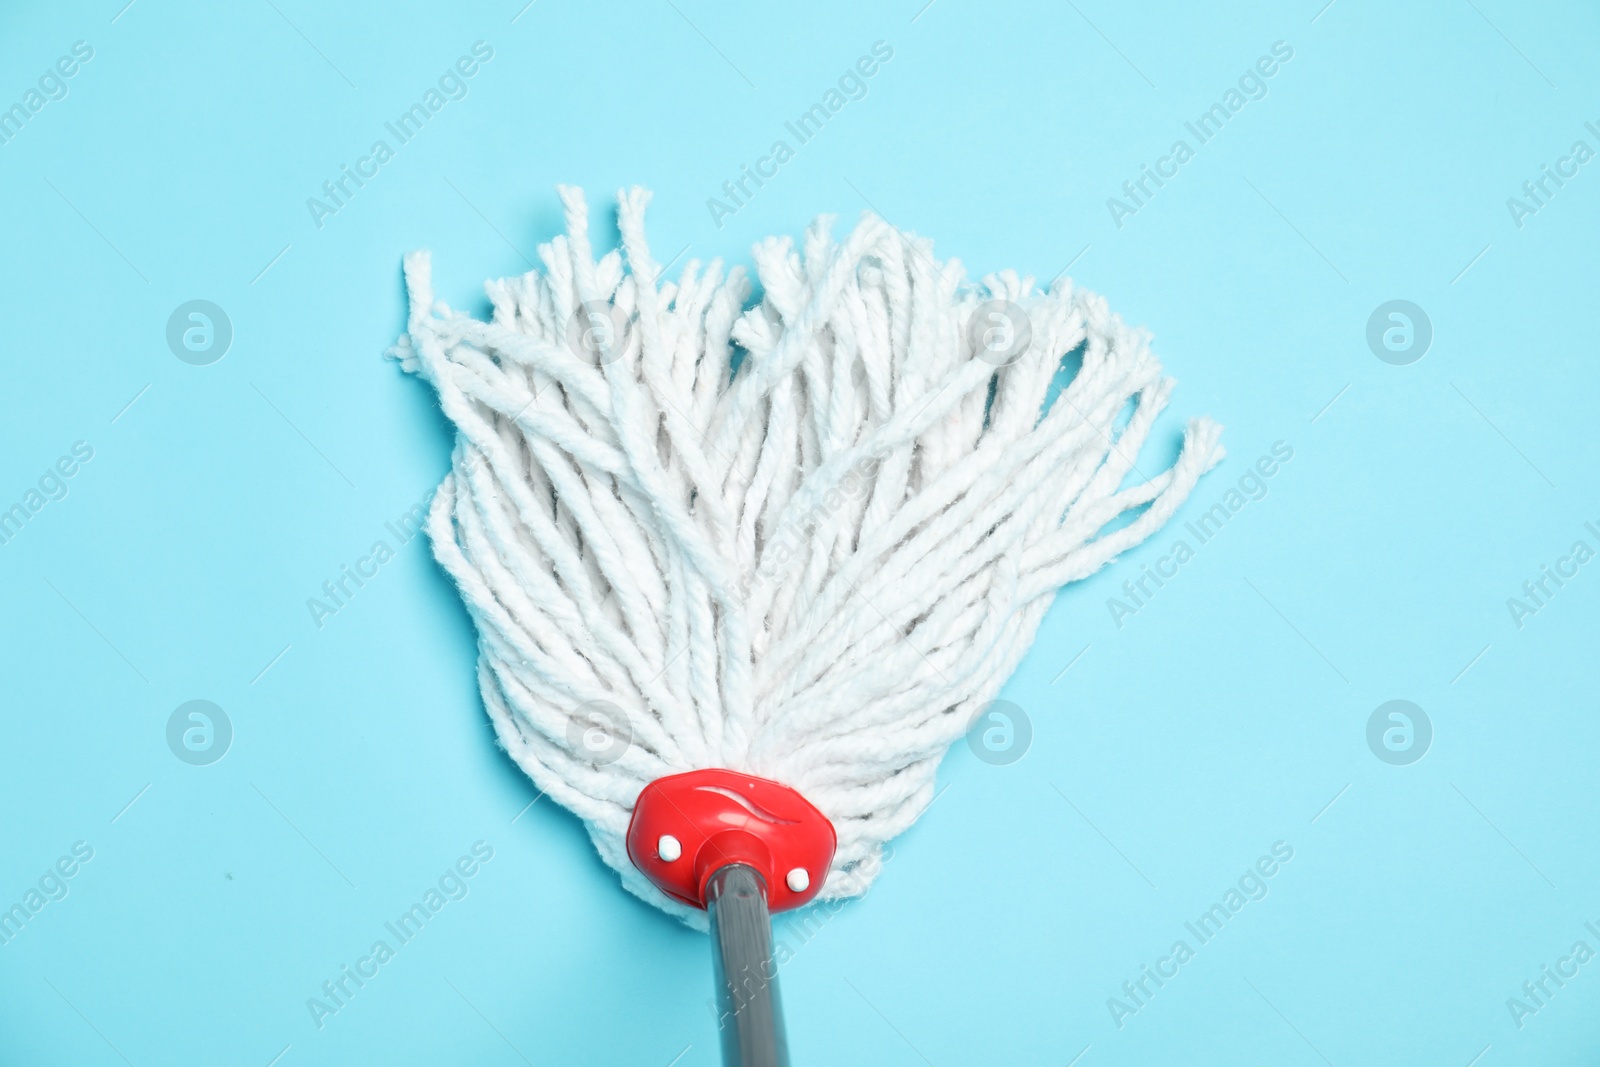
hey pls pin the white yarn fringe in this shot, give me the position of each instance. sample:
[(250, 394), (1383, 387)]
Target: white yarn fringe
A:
[(817, 568)]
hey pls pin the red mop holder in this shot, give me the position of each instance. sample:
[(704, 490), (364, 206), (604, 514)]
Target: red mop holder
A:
[(687, 827)]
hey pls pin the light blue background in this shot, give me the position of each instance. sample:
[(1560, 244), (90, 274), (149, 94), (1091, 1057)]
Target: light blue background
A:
[(1225, 716)]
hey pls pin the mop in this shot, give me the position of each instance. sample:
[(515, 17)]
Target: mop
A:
[(741, 573)]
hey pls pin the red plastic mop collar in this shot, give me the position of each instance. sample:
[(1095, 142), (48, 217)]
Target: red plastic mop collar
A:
[(686, 827)]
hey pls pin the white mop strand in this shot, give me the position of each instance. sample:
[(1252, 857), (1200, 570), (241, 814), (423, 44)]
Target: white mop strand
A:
[(817, 568)]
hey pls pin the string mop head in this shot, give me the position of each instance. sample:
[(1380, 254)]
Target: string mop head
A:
[(802, 542)]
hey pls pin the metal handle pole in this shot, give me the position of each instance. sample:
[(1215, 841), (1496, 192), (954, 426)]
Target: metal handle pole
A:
[(750, 1016)]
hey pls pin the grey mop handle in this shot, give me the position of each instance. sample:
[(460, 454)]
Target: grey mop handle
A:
[(749, 1014)]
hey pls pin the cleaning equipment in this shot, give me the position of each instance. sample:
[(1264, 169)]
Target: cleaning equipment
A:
[(741, 575)]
